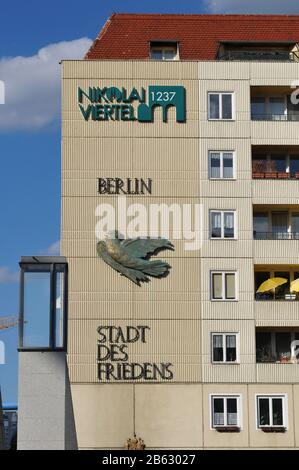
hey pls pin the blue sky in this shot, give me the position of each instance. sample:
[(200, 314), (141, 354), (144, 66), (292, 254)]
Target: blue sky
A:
[(34, 35)]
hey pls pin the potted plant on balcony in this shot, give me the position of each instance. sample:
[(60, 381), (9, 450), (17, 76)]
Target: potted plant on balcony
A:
[(285, 358), (258, 169)]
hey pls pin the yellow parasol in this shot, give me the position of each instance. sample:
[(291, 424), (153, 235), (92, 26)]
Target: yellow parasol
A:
[(271, 284), (295, 285)]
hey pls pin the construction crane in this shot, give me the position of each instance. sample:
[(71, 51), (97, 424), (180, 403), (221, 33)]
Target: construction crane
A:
[(7, 322)]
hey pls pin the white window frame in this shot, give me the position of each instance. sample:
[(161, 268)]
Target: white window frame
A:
[(221, 152), (284, 398), (163, 48), (222, 212), (223, 299), (221, 93), (224, 334), (225, 397)]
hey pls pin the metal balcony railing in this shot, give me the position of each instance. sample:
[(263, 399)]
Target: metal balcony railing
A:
[(275, 235), (273, 174), (260, 56), (285, 296), (268, 358), (294, 116)]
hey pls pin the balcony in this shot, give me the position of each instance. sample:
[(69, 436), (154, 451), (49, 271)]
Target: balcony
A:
[(258, 51), (275, 162), (282, 293), (275, 235), (275, 116), (275, 222), (277, 346), (259, 56), (273, 103)]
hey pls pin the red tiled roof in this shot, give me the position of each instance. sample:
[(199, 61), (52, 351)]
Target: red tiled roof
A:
[(127, 36)]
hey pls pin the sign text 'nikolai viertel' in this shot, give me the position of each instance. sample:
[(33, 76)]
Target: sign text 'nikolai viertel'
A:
[(113, 357), (119, 104)]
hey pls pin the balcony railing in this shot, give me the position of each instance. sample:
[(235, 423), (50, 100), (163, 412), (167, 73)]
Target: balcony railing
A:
[(270, 175), (275, 117), (269, 296), (260, 56), (275, 235), (268, 358)]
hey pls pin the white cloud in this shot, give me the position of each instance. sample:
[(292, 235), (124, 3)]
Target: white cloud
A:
[(7, 275), (32, 85), (253, 6), (52, 250)]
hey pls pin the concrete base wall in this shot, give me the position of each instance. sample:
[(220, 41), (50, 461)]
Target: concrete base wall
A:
[(176, 416), (45, 419)]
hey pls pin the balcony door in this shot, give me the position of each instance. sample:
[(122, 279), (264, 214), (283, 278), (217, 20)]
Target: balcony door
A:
[(277, 108), (260, 225), (280, 225)]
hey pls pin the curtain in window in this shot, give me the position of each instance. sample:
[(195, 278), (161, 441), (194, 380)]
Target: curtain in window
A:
[(218, 348), (217, 286), (215, 165), (216, 224), (227, 111), (229, 220), (218, 412), (230, 290), (214, 106), (231, 348), (230, 341), (232, 414), (217, 341), (228, 171)]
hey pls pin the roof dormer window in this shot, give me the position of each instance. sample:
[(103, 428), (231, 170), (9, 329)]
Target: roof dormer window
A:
[(164, 50)]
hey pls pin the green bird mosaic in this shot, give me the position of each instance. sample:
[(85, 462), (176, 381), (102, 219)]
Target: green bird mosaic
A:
[(131, 257)]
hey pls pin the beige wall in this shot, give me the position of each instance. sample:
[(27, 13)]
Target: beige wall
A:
[(176, 416), (178, 309)]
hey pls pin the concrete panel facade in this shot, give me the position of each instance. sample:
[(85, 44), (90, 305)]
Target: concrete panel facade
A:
[(178, 309)]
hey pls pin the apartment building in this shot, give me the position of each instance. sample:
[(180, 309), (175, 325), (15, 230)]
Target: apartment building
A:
[(185, 110)]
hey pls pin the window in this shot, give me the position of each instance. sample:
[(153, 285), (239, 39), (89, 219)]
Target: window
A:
[(221, 165), (224, 286), (224, 347), (225, 411), (43, 303), (271, 411), (221, 106), (164, 51), (222, 224)]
